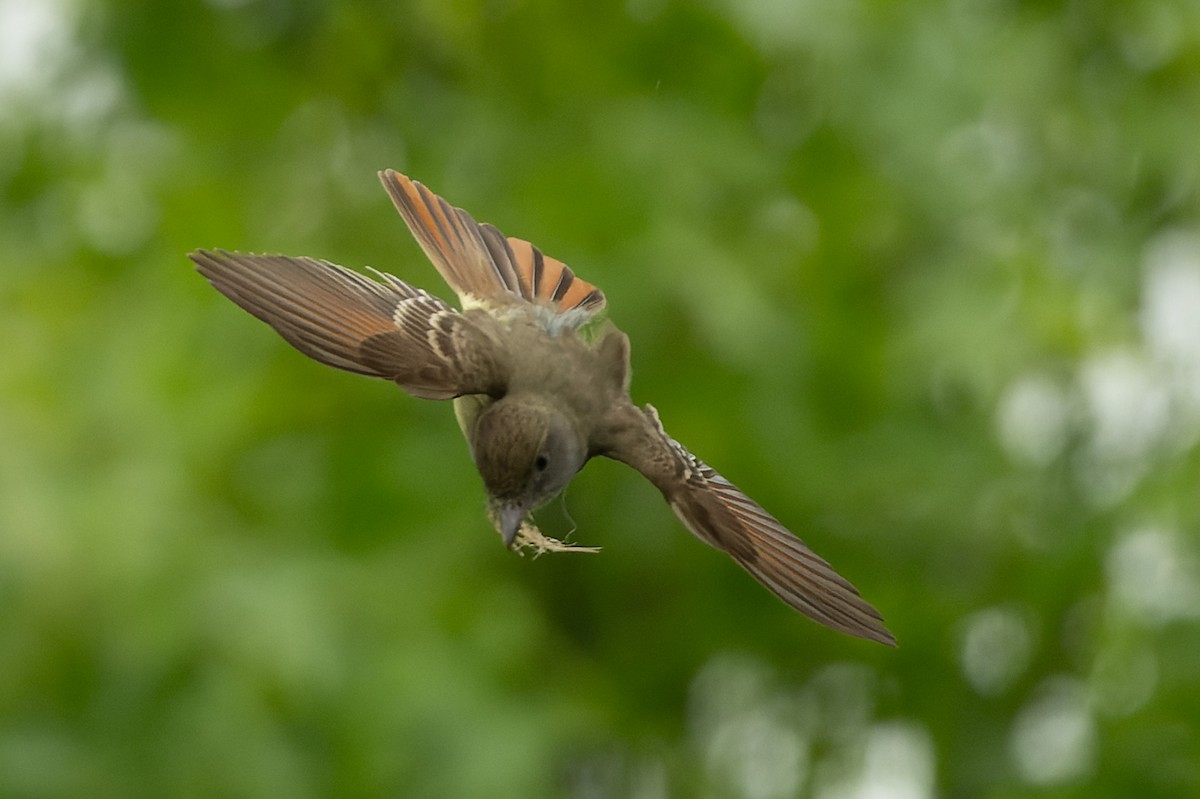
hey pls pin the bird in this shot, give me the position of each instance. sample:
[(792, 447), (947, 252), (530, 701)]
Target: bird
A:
[(539, 379)]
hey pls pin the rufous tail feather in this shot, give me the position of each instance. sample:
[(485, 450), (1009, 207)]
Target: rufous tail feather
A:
[(478, 262)]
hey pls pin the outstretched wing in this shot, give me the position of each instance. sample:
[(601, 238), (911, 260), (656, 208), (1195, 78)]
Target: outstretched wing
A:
[(480, 264), (718, 513), (343, 319)]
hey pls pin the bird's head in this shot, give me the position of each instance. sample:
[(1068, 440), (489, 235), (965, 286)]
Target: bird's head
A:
[(526, 452)]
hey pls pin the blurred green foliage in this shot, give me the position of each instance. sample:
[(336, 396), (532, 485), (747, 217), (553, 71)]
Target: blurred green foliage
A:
[(923, 277)]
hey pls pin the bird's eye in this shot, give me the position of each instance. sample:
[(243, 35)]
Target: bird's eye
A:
[(541, 463)]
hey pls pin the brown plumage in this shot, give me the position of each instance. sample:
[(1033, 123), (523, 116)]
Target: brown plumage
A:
[(478, 262), (534, 399)]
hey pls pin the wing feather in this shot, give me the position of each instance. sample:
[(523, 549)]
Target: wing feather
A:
[(720, 514), (343, 319)]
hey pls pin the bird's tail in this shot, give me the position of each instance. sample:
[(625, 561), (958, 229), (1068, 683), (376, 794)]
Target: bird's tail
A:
[(480, 264)]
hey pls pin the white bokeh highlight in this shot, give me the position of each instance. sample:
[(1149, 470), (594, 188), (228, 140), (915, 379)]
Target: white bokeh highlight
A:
[(997, 644), (1154, 577), (1054, 736)]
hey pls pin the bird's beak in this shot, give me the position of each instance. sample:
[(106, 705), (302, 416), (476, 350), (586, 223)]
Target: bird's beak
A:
[(508, 519)]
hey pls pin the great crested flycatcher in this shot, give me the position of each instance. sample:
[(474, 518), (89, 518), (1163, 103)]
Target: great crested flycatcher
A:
[(534, 398)]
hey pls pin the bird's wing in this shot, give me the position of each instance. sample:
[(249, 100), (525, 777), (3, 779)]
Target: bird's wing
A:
[(383, 329), (718, 513), (481, 265)]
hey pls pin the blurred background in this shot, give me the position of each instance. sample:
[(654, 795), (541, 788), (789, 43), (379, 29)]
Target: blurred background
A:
[(924, 278)]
